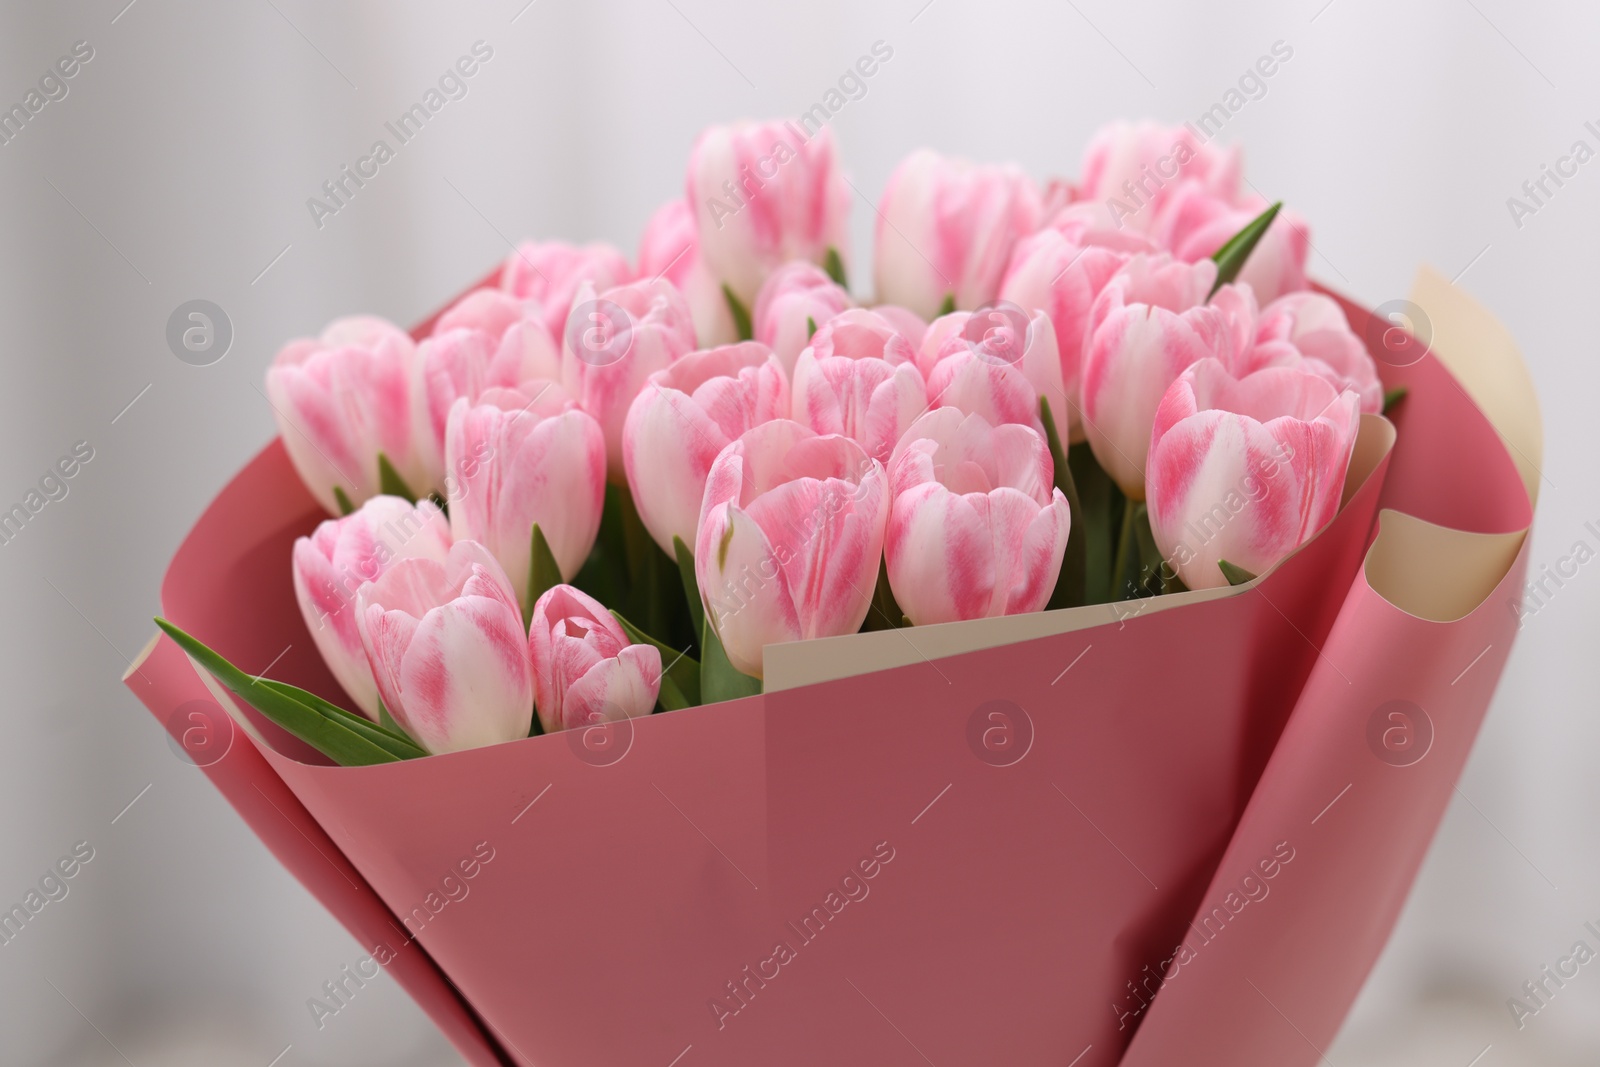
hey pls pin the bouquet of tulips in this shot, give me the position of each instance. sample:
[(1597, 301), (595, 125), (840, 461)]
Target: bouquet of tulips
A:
[(593, 492), (1045, 586)]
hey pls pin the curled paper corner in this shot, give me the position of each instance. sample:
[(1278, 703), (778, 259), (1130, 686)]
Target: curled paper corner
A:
[(1479, 352), (1436, 573)]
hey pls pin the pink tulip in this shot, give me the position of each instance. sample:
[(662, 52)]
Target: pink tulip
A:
[(464, 361), (1193, 223), (791, 534), (584, 669), (341, 399), (1135, 168), (763, 194), (551, 271), (905, 322), (685, 415), (796, 299), (946, 228), (1246, 469), (1310, 328), (976, 526), (858, 377), (518, 466), (448, 651), (670, 249), (997, 362), (1150, 322), (331, 565), (1049, 272), (613, 343)]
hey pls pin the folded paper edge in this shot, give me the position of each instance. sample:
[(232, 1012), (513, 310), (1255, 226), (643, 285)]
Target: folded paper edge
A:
[(1480, 353)]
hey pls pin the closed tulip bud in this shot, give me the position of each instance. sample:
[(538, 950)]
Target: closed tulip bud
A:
[(670, 249), (550, 272), (685, 415), (791, 534), (1248, 469), (797, 298), (1310, 329), (1134, 168), (1051, 273), (461, 362), (340, 556), (904, 321), (1194, 223), (976, 526), (764, 194), (512, 466), (1150, 322), (997, 362), (340, 400), (584, 668), (858, 377), (946, 228), (448, 651), (613, 343)]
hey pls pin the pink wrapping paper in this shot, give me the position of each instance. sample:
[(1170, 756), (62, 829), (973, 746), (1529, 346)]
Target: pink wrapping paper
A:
[(1016, 839)]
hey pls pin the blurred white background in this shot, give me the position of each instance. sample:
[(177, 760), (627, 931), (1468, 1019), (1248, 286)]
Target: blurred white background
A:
[(178, 167)]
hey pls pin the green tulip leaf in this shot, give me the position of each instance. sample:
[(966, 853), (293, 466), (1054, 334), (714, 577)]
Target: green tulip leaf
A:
[(680, 672), (1231, 257), (342, 498), (394, 741), (332, 738), (833, 263), (741, 314), (719, 679), (389, 481), (691, 585), (949, 305), (1235, 575), (543, 574), (1393, 396), (811, 327), (1071, 584)]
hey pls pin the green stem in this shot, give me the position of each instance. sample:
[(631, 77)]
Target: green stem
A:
[(1125, 541)]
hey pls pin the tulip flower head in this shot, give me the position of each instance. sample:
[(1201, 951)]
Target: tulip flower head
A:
[(515, 465), (613, 343), (550, 273), (858, 377), (1246, 469), (791, 535), (683, 417), (448, 651), (795, 301), (976, 526), (585, 670), (764, 194), (341, 555), (1147, 326), (340, 400), (946, 228)]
